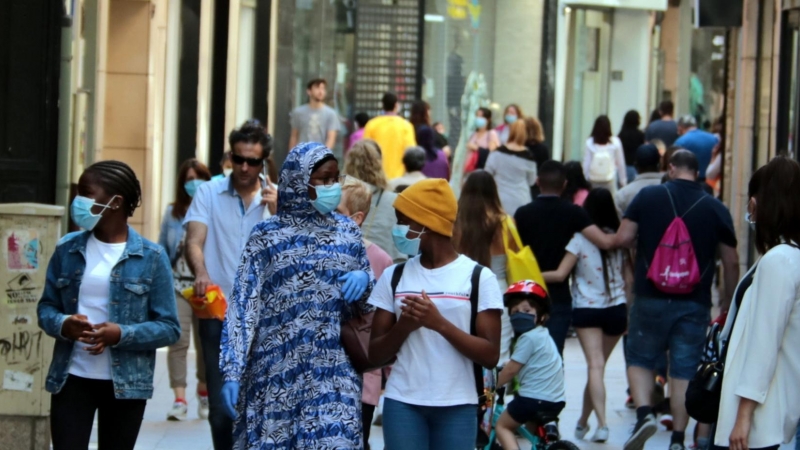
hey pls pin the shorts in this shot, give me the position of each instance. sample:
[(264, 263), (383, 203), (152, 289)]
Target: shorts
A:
[(526, 409), (613, 320), (661, 325)]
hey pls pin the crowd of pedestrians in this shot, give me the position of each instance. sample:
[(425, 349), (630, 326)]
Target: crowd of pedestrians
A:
[(625, 242)]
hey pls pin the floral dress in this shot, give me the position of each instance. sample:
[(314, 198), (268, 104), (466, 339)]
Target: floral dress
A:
[(281, 336)]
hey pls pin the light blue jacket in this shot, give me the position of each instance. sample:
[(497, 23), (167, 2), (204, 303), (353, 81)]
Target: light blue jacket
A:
[(141, 302), (171, 233)]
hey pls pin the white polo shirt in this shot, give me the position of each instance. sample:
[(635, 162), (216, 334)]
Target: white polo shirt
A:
[(217, 205)]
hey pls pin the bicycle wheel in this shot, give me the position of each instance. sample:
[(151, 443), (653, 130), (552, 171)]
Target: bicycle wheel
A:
[(562, 445)]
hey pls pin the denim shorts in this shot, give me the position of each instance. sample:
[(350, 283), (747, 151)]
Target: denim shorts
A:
[(659, 325)]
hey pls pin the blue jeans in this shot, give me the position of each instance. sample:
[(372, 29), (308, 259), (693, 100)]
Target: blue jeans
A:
[(659, 325), (559, 322), (411, 427), (797, 439), (221, 424)]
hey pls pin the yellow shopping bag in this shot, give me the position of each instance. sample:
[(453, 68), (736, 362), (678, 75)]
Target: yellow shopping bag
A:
[(522, 264)]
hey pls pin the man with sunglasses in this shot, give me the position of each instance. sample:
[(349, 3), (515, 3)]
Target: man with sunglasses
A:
[(218, 225)]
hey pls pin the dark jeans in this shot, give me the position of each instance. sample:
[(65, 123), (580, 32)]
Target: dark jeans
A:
[(72, 415), (559, 322), (774, 447), (367, 412), (221, 424)]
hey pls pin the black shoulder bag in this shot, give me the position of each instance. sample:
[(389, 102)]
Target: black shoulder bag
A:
[(481, 439), (704, 392)]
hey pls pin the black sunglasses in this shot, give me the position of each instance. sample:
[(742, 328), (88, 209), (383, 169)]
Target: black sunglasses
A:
[(239, 160)]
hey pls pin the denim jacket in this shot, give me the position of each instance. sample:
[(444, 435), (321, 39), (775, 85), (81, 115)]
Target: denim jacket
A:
[(171, 234), (141, 302)]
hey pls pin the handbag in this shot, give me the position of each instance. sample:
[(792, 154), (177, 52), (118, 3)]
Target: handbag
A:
[(522, 264), (704, 392), (355, 334)]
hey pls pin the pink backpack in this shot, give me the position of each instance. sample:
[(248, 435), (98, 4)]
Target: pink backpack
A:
[(674, 269)]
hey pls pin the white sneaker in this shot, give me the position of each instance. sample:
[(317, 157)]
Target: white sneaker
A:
[(581, 432), (601, 435), (202, 406), (178, 411)]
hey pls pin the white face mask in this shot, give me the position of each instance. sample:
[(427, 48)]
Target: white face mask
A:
[(227, 172)]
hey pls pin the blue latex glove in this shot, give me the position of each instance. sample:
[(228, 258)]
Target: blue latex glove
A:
[(355, 284), (230, 395)]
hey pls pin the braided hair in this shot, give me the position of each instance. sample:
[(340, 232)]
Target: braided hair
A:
[(117, 178)]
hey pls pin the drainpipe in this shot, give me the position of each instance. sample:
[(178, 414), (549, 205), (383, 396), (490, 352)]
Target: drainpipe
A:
[(63, 157)]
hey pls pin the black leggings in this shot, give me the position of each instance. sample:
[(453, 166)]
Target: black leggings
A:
[(367, 413), (72, 414)]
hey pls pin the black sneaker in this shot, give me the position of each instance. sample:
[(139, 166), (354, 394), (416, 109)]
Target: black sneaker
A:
[(677, 446), (644, 430)]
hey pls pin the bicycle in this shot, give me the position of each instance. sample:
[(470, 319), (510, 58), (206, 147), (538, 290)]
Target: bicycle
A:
[(540, 439)]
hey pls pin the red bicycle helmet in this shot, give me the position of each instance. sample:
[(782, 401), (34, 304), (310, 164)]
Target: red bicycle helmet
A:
[(531, 291), (527, 287)]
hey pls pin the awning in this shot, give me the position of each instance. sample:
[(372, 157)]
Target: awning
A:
[(653, 5)]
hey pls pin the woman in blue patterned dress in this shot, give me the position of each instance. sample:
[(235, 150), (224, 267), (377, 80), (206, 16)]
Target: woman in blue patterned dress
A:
[(303, 273)]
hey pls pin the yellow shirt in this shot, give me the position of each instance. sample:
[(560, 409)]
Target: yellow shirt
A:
[(394, 135)]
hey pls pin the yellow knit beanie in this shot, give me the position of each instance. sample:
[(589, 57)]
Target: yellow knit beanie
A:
[(431, 203)]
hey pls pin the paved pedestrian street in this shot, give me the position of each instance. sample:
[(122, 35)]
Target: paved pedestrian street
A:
[(194, 434)]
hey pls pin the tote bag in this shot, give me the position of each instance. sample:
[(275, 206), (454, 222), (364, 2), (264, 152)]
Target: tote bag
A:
[(522, 265)]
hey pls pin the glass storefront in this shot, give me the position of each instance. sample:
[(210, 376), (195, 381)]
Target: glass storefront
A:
[(707, 86), (323, 34), (788, 97), (500, 40), (589, 62)]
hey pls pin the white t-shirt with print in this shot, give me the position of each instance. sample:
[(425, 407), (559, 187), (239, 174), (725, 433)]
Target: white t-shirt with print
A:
[(588, 285), (429, 371), (93, 300)]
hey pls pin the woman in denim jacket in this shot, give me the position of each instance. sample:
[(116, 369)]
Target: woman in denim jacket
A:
[(191, 175), (108, 302)]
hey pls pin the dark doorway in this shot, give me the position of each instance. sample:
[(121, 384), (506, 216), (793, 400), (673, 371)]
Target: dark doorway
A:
[(30, 45)]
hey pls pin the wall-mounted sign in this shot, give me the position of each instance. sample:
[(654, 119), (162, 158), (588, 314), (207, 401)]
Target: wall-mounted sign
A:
[(653, 5), (718, 13)]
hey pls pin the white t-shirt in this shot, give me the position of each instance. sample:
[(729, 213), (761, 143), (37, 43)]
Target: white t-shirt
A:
[(429, 371), (93, 299), (588, 284), (542, 373)]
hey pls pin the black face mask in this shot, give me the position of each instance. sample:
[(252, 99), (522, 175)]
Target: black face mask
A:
[(523, 322)]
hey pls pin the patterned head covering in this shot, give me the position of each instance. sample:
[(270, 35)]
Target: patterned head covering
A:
[(295, 177)]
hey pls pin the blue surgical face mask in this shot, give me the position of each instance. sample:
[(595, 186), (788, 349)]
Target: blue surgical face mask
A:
[(328, 197), (405, 245), (481, 122), (511, 118), (192, 185), (81, 212), (522, 322)]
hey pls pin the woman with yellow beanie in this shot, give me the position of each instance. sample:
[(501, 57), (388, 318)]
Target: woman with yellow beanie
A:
[(425, 318)]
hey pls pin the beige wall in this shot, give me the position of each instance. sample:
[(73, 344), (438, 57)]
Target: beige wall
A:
[(132, 39), (754, 109)]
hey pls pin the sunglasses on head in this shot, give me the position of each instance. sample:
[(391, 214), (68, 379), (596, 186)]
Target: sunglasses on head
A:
[(239, 160)]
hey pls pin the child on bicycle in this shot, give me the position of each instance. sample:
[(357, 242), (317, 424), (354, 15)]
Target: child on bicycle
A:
[(535, 359)]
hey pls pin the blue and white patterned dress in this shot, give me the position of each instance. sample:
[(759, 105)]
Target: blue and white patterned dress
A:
[(280, 339)]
